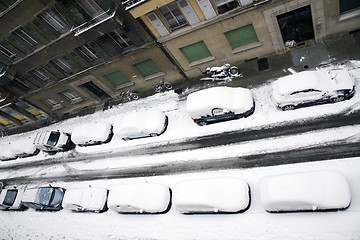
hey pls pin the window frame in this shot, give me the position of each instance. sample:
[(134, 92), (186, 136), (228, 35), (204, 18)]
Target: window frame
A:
[(71, 96), (26, 37)]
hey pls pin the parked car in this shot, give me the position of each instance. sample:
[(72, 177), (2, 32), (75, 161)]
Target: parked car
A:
[(212, 195), (312, 87), (10, 198), (20, 148), (219, 104), (85, 199), (141, 124), (53, 141), (307, 191), (140, 198), (92, 134), (44, 198)]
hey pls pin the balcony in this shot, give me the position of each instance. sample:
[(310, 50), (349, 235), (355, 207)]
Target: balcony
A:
[(110, 13), (132, 3)]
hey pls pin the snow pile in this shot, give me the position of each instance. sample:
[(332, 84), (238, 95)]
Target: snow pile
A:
[(211, 195), (322, 190)]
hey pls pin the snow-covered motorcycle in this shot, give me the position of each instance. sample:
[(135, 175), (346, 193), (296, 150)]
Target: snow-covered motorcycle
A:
[(225, 72)]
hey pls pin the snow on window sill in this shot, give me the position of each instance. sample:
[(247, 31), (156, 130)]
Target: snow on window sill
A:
[(201, 61), (349, 15), (246, 47)]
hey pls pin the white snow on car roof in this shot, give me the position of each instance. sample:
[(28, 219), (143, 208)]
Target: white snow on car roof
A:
[(146, 197), (211, 195), (319, 190), (132, 123), (30, 195), (237, 99), (91, 131), (89, 198), (297, 82)]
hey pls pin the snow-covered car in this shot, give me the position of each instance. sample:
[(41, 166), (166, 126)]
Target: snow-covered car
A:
[(85, 199), (10, 198), (307, 191), (53, 141), (312, 87), (20, 148), (219, 104), (212, 195), (44, 198), (140, 198), (92, 134), (141, 124)]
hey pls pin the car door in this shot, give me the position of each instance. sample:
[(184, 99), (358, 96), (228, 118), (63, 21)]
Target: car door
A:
[(306, 96)]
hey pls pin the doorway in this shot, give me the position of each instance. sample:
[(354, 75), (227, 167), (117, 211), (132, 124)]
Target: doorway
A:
[(297, 25), (92, 87)]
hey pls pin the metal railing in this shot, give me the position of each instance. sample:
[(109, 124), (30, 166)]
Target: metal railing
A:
[(110, 13), (132, 3)]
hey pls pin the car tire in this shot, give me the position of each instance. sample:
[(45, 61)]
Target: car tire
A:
[(202, 123), (153, 135), (337, 99), (288, 107)]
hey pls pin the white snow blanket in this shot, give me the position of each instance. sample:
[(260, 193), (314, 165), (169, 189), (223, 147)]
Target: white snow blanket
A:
[(91, 133), (201, 103), (319, 190), (211, 195)]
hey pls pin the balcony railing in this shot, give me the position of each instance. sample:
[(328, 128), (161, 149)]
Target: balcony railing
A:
[(132, 3), (110, 13)]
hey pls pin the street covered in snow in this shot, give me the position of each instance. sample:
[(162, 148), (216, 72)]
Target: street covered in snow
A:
[(254, 223)]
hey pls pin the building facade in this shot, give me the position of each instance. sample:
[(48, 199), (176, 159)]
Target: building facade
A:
[(61, 56)]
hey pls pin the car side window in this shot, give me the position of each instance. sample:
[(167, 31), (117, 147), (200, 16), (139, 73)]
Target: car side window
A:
[(217, 111)]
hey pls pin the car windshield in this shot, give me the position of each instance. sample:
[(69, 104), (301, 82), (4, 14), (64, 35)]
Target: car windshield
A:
[(45, 195), (10, 197), (53, 138), (57, 198)]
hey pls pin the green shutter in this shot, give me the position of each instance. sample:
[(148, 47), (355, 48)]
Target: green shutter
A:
[(98, 49), (196, 51), (3, 7), (79, 60), (241, 36), (348, 5), (117, 78), (54, 71), (147, 68), (35, 34), (13, 49), (19, 45)]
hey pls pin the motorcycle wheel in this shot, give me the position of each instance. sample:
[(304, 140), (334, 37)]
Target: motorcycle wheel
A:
[(233, 71), (157, 88), (168, 86), (134, 96)]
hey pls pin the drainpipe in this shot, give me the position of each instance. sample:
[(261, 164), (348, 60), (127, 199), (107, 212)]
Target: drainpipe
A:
[(171, 59)]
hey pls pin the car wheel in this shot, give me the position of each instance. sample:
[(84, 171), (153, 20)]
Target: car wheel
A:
[(202, 123), (153, 134), (288, 107), (337, 99)]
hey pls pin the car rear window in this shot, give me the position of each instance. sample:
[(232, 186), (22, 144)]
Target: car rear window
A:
[(53, 138), (10, 197)]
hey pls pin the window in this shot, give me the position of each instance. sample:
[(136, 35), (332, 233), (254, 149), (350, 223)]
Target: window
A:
[(87, 52), (91, 7), (71, 96), (28, 108), (349, 5), (225, 5), (13, 113), (62, 65), (26, 37), (39, 75), (196, 51), (117, 78), (53, 20), (9, 54), (4, 122), (173, 16), (241, 36), (147, 68), (52, 103), (120, 38)]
